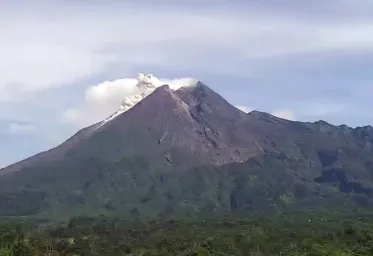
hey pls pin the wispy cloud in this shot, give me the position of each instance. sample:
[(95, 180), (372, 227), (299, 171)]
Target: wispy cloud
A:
[(105, 98), (66, 44), (18, 128), (269, 55)]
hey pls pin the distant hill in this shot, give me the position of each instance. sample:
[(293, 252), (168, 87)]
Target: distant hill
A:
[(187, 152)]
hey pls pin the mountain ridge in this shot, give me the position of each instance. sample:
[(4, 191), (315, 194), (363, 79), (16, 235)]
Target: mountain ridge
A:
[(188, 151)]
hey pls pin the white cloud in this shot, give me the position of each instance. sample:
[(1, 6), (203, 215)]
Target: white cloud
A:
[(65, 44), (70, 115), (18, 128), (105, 98), (52, 44), (73, 45), (245, 109), (111, 91), (285, 114)]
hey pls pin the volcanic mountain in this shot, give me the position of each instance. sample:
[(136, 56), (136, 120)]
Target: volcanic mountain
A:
[(188, 151)]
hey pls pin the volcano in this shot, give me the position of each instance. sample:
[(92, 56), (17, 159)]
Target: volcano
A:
[(185, 151)]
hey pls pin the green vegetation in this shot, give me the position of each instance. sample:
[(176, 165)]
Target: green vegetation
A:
[(279, 234), (135, 188)]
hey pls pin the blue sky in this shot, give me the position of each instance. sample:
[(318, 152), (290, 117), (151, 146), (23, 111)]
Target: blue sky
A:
[(304, 60)]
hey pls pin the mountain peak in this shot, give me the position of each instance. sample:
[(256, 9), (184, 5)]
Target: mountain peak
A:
[(146, 157), (146, 85)]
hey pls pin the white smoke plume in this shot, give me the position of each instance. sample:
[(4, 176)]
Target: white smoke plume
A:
[(117, 96), (146, 84)]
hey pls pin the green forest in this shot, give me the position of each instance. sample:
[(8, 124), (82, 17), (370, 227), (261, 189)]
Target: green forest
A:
[(276, 234)]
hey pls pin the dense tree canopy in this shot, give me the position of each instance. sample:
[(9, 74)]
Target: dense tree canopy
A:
[(279, 234)]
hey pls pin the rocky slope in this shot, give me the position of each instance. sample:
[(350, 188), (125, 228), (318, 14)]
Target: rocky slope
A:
[(189, 151)]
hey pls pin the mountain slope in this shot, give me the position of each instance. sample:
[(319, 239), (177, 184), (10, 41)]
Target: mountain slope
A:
[(188, 151), (161, 123)]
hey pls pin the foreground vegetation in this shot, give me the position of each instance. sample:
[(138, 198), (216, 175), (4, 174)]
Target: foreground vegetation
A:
[(281, 234)]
